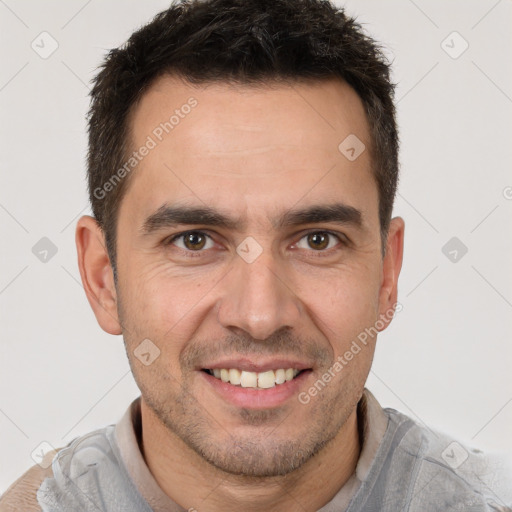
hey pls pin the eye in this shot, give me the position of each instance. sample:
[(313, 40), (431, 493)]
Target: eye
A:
[(319, 241), (192, 241)]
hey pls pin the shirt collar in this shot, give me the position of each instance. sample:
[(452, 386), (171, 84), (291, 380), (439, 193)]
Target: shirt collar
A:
[(372, 423)]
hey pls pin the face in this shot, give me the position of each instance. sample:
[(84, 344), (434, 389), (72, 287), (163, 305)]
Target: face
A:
[(249, 249)]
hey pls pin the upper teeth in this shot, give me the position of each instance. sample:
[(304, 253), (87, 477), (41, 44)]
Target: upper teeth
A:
[(262, 380)]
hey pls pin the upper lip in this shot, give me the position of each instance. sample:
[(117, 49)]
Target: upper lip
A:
[(253, 365)]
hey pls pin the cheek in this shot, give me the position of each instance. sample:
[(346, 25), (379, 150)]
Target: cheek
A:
[(344, 305), (166, 304)]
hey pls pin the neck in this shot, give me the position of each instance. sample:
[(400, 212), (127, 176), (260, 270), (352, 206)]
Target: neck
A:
[(194, 483)]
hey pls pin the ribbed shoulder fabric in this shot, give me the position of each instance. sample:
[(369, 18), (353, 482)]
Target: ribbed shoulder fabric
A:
[(420, 470), (88, 476)]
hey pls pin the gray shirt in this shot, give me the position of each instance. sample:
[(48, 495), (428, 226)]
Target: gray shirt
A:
[(403, 466)]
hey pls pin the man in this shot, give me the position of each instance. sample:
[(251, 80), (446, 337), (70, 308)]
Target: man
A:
[(242, 170)]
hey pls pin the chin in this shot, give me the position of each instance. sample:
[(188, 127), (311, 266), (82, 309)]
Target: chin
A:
[(263, 461)]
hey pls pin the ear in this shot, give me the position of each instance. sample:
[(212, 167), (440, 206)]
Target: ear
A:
[(96, 273), (392, 264)]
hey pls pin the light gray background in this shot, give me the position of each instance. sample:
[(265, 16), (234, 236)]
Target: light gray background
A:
[(446, 359)]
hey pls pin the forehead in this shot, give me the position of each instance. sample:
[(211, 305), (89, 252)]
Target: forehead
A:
[(247, 147)]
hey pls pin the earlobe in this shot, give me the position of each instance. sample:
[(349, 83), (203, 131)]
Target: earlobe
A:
[(96, 273), (392, 264)]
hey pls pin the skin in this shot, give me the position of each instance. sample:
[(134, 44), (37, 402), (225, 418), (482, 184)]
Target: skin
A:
[(253, 153)]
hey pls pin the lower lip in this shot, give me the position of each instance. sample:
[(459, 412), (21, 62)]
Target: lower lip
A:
[(251, 398)]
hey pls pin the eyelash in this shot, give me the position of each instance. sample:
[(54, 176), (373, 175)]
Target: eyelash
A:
[(195, 254)]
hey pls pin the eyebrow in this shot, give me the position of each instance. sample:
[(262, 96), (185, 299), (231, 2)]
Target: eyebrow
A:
[(168, 216)]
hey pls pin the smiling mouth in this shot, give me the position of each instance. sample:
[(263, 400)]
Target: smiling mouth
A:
[(255, 380)]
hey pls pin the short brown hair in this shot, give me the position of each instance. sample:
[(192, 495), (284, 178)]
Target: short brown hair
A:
[(246, 42)]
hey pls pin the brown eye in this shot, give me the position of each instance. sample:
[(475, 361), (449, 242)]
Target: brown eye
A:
[(192, 241), (318, 240)]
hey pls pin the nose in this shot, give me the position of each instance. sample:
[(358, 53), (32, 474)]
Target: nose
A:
[(257, 298)]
